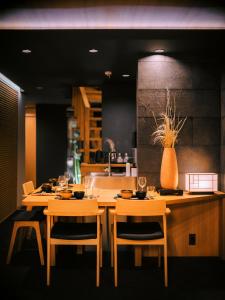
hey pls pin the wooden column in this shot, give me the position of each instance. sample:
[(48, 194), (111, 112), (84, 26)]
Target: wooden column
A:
[(30, 144)]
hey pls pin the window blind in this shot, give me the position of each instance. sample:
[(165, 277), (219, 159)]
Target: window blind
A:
[(8, 149)]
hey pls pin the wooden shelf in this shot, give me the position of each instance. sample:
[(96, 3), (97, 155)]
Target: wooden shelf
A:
[(87, 168), (103, 165), (88, 113), (95, 109), (96, 128), (95, 139), (95, 118)]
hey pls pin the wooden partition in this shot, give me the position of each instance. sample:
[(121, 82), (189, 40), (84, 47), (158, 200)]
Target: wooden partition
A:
[(194, 229), (30, 144), (197, 223), (86, 102), (113, 182)]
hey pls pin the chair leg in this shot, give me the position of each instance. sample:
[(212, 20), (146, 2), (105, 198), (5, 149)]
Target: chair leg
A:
[(115, 265), (111, 248), (39, 242), (98, 263), (21, 237), (159, 256), (52, 247), (53, 250), (165, 266), (12, 241), (48, 261), (101, 252)]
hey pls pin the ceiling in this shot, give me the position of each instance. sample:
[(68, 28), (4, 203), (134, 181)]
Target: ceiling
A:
[(60, 58)]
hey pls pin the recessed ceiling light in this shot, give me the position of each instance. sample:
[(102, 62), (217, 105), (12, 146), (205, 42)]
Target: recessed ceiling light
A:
[(159, 50), (108, 74), (93, 50), (26, 51), (126, 75), (39, 88)]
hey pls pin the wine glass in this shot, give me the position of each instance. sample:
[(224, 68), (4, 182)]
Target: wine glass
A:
[(61, 180), (142, 182), (67, 177), (88, 185), (151, 191)]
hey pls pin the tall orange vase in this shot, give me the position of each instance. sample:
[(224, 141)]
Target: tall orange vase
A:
[(169, 169)]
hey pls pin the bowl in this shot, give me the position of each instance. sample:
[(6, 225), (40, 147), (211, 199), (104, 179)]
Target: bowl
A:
[(126, 194), (66, 194), (140, 194), (79, 194)]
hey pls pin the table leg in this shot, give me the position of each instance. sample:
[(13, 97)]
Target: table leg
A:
[(138, 256), (79, 249)]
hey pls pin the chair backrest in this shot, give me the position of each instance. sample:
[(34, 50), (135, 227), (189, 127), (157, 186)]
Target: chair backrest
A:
[(72, 207), (140, 207), (28, 187)]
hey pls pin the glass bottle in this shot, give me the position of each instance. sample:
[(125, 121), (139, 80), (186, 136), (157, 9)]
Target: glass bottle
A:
[(119, 158), (126, 158)]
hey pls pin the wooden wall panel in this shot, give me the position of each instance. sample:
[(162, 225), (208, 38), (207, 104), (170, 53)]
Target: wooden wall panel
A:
[(30, 144), (8, 149), (201, 219)]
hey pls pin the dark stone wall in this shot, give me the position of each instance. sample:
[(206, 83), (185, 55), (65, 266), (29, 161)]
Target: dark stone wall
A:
[(51, 141), (195, 85), (223, 131), (119, 116)]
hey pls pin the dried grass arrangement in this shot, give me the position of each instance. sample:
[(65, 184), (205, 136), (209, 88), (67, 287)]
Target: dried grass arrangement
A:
[(111, 144), (168, 125)]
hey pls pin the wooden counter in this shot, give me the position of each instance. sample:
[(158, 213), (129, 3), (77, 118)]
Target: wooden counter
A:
[(113, 182), (86, 168), (202, 215)]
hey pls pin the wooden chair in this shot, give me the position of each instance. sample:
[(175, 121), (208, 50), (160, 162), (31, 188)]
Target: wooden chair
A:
[(27, 219), (139, 233), (23, 219), (71, 233), (28, 188)]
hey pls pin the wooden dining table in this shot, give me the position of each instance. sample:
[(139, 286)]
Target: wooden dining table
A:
[(178, 207), (106, 198)]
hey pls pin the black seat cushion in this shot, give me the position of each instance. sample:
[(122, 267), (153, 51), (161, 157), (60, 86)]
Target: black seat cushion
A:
[(74, 231), (139, 231), (24, 215), (39, 208)]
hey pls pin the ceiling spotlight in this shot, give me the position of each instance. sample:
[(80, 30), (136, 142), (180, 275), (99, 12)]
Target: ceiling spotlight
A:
[(159, 51), (93, 50), (26, 51), (126, 75), (108, 74)]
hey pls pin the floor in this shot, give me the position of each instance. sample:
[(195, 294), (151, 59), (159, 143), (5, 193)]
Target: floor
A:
[(74, 275)]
